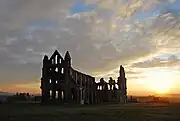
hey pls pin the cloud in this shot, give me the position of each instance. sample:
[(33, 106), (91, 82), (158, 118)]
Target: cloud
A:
[(98, 40), (17, 13), (172, 61)]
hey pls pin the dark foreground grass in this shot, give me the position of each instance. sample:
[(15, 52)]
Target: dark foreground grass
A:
[(109, 112)]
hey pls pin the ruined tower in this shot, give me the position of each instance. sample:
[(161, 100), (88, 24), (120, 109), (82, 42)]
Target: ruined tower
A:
[(122, 84)]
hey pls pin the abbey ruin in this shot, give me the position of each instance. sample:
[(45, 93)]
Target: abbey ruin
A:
[(63, 84)]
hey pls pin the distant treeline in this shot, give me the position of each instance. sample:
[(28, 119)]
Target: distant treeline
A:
[(20, 97)]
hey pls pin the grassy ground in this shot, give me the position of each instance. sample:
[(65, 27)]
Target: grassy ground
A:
[(110, 112)]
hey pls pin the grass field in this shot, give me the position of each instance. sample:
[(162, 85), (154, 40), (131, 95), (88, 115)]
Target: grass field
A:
[(108, 112)]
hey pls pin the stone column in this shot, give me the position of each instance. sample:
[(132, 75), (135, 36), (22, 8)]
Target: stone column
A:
[(59, 95), (81, 96)]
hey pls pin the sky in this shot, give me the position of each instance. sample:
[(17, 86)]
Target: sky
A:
[(101, 35)]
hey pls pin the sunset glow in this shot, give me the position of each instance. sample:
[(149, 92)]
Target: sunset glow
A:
[(160, 82)]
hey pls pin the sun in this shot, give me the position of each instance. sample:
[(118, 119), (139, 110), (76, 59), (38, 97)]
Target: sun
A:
[(159, 81)]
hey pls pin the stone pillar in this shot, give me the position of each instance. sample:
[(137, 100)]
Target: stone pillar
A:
[(67, 66), (44, 80), (81, 96), (59, 95), (78, 96), (123, 84), (48, 94), (53, 94)]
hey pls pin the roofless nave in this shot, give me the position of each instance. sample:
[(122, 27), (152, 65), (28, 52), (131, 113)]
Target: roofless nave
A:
[(61, 83)]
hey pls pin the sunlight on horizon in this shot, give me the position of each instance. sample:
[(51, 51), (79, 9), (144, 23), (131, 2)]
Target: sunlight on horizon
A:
[(160, 81)]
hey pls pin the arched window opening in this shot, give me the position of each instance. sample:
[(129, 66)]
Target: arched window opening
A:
[(62, 95), (56, 59), (56, 70), (62, 70), (50, 94), (56, 95)]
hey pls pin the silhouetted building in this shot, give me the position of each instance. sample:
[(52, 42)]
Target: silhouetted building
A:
[(122, 84), (61, 83)]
